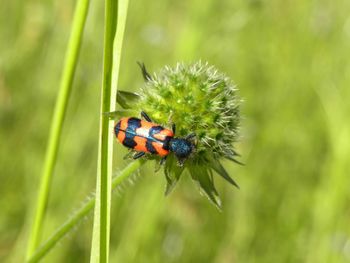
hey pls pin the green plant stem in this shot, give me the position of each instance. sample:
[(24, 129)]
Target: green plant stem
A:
[(81, 213), (115, 17), (57, 121)]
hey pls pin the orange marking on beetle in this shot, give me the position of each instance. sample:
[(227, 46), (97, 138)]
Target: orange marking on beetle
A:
[(124, 124), (159, 148), (141, 144), (121, 136), (147, 124), (163, 134)]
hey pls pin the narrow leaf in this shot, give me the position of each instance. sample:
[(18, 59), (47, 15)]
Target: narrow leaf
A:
[(219, 169), (231, 154), (115, 115), (127, 99), (233, 160), (146, 76), (172, 173), (201, 176)]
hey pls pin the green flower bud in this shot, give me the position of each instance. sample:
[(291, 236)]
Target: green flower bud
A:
[(201, 100)]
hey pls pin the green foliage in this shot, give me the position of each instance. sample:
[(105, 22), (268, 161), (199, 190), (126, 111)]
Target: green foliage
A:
[(127, 99), (291, 63), (80, 214), (200, 100), (70, 65), (197, 98), (115, 17)]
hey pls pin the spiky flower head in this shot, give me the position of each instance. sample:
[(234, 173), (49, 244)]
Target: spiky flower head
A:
[(198, 99)]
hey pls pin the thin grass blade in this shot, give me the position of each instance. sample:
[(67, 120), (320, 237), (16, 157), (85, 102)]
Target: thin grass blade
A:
[(115, 18), (70, 64)]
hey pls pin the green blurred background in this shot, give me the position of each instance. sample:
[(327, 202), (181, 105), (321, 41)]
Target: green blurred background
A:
[(291, 61)]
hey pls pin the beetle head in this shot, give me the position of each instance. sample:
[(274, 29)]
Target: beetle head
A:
[(182, 148)]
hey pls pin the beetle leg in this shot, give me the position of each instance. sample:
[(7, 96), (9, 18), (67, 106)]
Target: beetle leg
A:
[(145, 116), (129, 154), (174, 128), (138, 155), (145, 74), (158, 165), (190, 136), (162, 161)]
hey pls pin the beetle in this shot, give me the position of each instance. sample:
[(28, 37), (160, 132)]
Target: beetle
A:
[(145, 136)]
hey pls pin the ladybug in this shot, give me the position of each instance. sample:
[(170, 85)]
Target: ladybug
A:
[(144, 136)]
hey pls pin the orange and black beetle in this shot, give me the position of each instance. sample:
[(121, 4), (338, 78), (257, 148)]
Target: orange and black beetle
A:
[(144, 136)]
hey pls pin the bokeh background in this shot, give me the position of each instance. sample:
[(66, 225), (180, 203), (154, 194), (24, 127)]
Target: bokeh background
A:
[(291, 62)]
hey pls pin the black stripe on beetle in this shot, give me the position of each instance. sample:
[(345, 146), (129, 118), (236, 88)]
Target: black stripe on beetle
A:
[(154, 130), (133, 124), (150, 147), (166, 143)]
